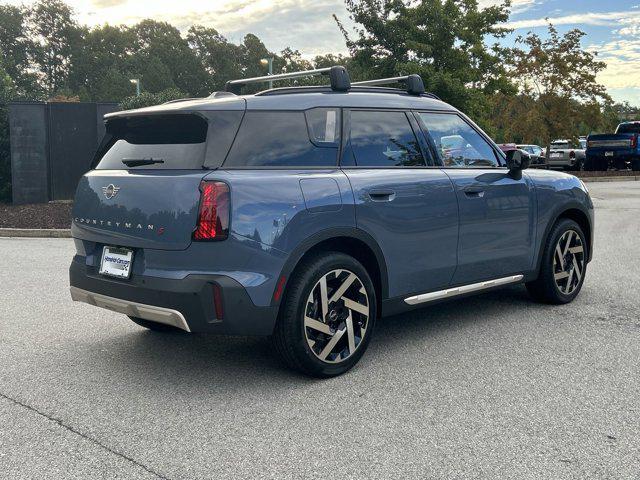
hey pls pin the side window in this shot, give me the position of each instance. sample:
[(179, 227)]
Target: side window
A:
[(324, 125), (457, 143), (278, 139), (384, 139)]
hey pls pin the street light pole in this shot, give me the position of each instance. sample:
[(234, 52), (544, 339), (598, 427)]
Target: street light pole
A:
[(136, 82), (269, 63)]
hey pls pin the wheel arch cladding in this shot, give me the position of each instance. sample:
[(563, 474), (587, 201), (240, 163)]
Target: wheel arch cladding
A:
[(581, 219), (350, 242)]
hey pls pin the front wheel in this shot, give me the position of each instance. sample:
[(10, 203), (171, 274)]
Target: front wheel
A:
[(327, 317), (564, 265)]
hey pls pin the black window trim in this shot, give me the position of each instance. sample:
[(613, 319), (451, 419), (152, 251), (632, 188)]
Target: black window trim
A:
[(500, 157), (328, 168), (346, 140)]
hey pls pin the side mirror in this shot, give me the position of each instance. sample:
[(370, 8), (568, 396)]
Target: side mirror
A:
[(517, 160)]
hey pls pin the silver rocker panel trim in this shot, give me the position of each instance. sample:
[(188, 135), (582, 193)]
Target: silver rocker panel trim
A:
[(454, 291), (152, 313)]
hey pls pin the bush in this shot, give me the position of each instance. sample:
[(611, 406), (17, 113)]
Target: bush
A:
[(147, 99)]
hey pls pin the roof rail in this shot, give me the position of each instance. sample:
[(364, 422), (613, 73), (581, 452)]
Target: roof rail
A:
[(415, 85), (337, 74)]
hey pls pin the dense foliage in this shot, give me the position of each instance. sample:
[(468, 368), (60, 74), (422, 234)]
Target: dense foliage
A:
[(540, 89)]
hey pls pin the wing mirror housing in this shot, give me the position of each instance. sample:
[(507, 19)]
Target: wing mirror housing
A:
[(517, 160)]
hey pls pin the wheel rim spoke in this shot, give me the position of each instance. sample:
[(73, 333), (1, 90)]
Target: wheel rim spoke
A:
[(568, 262), (336, 316)]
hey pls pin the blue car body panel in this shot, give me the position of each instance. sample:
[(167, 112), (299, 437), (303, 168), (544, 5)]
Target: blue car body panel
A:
[(427, 228)]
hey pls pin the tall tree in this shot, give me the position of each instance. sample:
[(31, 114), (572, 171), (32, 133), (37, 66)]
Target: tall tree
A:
[(15, 46), (560, 75), (222, 60), (55, 34), (443, 40)]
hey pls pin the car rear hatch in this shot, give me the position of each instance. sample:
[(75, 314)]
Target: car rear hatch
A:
[(145, 189)]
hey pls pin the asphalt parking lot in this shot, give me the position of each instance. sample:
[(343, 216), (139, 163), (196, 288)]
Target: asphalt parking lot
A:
[(494, 386)]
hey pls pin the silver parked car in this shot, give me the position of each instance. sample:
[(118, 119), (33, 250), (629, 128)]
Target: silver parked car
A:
[(563, 154)]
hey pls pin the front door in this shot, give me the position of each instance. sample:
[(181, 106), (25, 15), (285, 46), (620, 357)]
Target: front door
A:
[(405, 202), (497, 208)]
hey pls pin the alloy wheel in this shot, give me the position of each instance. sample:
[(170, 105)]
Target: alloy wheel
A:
[(568, 262), (336, 316)]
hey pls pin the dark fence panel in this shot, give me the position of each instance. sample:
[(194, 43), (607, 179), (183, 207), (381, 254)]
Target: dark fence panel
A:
[(29, 172), (52, 146), (72, 145)]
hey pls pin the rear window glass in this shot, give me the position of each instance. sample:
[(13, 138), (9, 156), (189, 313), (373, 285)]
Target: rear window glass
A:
[(281, 139), (155, 141), (629, 128)]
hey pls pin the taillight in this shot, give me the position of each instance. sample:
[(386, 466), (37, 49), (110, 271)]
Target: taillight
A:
[(572, 154), (213, 215), (634, 141)]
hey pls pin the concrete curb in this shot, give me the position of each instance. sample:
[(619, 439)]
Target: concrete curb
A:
[(35, 233), (621, 178)]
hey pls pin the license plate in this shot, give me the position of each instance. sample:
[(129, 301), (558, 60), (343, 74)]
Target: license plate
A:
[(556, 155), (116, 262), (608, 154)]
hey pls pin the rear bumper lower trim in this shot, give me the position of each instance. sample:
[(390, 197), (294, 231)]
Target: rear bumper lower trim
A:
[(152, 313)]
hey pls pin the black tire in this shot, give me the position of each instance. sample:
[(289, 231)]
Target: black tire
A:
[(291, 336), (155, 326), (580, 165), (590, 164), (635, 164), (545, 288)]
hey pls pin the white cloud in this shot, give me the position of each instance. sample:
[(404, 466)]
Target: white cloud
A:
[(597, 19)]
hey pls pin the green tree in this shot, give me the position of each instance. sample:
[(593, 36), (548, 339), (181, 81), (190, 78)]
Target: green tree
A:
[(15, 47), (442, 40), (55, 34), (561, 77), (164, 60)]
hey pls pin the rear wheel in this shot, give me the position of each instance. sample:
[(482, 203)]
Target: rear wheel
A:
[(564, 265), (327, 317), (155, 326)]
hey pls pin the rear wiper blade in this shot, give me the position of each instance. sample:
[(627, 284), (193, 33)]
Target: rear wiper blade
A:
[(139, 162)]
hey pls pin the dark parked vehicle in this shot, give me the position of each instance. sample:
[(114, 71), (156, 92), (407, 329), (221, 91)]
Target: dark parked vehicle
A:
[(307, 213), (620, 150)]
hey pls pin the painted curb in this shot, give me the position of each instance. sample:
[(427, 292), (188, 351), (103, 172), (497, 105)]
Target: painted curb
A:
[(35, 233)]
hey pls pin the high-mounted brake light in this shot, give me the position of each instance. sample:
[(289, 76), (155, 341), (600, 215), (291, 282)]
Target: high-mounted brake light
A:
[(213, 215)]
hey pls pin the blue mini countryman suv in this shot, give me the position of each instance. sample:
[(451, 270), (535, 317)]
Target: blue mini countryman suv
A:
[(307, 213)]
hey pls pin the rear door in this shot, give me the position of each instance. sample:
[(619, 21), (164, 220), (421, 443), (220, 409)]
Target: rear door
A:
[(405, 202), (144, 191), (497, 209)]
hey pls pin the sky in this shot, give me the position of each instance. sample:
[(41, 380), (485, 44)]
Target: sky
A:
[(612, 27)]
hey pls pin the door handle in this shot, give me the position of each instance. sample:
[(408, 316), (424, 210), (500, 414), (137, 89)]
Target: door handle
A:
[(382, 195), (474, 191)]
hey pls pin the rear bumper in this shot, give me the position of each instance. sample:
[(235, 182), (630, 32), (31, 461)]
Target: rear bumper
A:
[(187, 303)]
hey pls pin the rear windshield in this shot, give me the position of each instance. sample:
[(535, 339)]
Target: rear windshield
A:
[(629, 128), (155, 141)]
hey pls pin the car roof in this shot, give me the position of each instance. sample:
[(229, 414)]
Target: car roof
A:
[(299, 99)]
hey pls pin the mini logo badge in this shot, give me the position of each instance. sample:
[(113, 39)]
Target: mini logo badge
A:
[(110, 191)]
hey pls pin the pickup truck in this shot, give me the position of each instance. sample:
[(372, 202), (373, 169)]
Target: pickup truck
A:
[(563, 154), (620, 150)]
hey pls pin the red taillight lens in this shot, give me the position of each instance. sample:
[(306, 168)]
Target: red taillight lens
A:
[(572, 154), (213, 216), (634, 141)]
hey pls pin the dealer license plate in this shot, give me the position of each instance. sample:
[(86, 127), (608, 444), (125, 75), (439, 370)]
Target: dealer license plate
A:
[(116, 262)]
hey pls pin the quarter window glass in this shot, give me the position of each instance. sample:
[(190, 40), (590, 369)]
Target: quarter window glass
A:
[(324, 124), (457, 143), (384, 139), (277, 139)]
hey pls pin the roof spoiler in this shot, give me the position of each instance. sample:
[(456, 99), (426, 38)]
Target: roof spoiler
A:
[(415, 85), (338, 76)]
